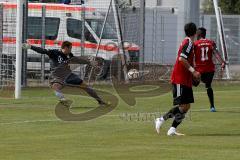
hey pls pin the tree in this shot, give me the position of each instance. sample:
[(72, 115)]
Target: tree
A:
[(227, 6)]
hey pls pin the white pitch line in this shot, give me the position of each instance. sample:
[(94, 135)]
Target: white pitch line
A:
[(30, 121), (110, 115)]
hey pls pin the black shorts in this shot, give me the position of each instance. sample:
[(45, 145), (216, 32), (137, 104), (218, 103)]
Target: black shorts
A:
[(73, 79), (207, 78), (182, 94)]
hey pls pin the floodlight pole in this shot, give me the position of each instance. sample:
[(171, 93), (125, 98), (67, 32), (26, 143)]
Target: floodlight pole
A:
[(222, 36), (19, 29)]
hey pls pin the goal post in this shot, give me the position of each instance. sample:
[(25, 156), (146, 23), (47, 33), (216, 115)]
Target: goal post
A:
[(221, 36), (19, 25)]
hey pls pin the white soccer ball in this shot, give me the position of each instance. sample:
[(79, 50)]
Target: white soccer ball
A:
[(133, 74)]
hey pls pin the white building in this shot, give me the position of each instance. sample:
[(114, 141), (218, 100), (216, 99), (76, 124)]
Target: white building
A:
[(164, 3)]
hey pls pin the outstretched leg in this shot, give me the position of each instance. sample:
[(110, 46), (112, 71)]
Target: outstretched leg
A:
[(92, 93)]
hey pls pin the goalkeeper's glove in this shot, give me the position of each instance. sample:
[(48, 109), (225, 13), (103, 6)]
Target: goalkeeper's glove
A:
[(26, 46), (93, 61)]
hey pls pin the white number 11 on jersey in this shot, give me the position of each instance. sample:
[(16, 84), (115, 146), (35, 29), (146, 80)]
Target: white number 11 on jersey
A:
[(204, 53)]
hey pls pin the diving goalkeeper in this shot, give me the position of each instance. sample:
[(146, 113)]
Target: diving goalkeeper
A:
[(60, 70)]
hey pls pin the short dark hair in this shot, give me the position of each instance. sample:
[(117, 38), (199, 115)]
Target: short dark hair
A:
[(66, 44), (201, 32), (190, 29)]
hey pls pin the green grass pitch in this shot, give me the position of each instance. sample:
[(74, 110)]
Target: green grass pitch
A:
[(30, 130)]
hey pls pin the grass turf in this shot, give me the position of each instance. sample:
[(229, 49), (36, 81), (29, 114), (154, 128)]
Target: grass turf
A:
[(30, 130)]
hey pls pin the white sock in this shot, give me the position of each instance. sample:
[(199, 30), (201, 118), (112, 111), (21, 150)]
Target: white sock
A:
[(59, 94), (161, 118)]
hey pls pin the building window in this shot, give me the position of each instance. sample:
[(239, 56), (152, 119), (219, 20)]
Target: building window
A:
[(159, 2)]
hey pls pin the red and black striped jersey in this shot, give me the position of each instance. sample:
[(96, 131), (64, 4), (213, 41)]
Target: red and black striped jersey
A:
[(180, 74)]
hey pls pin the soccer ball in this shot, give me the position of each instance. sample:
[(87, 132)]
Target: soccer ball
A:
[(133, 74)]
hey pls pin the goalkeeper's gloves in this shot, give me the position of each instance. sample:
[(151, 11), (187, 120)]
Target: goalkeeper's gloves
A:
[(223, 65), (26, 46), (93, 61)]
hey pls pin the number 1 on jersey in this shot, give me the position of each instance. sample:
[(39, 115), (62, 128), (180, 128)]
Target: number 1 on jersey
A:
[(204, 53)]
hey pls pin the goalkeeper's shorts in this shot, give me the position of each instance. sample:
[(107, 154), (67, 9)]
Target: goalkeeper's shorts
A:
[(72, 79)]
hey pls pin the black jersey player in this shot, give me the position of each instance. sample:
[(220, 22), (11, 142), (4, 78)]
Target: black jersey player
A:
[(60, 70)]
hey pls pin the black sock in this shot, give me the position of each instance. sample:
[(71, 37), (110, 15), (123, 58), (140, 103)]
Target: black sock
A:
[(210, 96), (93, 94), (171, 113), (178, 119)]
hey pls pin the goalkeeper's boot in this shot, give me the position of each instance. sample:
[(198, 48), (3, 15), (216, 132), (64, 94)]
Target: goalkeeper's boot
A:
[(66, 102), (172, 132), (104, 104), (158, 124), (212, 109)]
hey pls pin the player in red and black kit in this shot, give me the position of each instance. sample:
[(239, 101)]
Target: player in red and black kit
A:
[(204, 49), (181, 80)]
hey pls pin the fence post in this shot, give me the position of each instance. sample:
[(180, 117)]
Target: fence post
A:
[(83, 30), (142, 36), (83, 15), (1, 42), (24, 38), (43, 43)]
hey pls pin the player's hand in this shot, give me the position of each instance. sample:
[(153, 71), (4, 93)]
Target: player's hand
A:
[(196, 74), (223, 65), (26, 46), (94, 63)]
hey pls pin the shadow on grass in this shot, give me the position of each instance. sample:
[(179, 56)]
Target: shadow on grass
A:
[(64, 113)]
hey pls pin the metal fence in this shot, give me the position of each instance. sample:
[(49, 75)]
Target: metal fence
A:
[(154, 35)]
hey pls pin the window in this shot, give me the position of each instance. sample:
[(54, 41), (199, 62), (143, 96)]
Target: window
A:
[(159, 2), (74, 30), (35, 28), (97, 24)]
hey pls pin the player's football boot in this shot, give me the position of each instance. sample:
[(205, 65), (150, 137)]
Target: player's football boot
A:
[(172, 132), (104, 104), (212, 109), (158, 124)]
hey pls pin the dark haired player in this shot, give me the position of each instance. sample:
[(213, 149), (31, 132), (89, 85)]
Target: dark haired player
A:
[(181, 80), (204, 49), (61, 72)]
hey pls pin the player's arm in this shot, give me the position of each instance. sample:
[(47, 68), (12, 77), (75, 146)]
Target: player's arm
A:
[(218, 56), (184, 56), (189, 67), (36, 49), (83, 60)]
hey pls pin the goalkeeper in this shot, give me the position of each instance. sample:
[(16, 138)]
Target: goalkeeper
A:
[(60, 70)]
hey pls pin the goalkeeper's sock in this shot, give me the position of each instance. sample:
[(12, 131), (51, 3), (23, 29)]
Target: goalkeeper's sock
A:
[(93, 94), (210, 96), (59, 94), (171, 113)]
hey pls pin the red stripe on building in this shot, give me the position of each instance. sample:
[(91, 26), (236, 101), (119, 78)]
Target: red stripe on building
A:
[(12, 40), (61, 7)]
